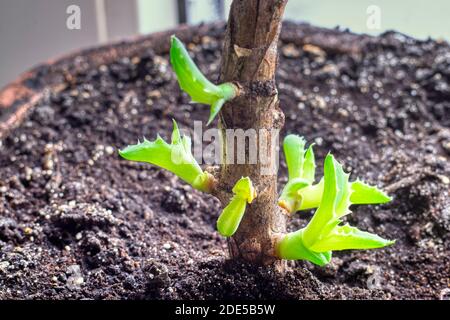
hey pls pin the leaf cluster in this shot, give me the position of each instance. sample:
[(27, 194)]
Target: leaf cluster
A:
[(332, 197)]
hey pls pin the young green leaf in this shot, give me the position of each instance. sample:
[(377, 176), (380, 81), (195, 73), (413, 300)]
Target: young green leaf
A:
[(291, 247), (310, 196), (348, 237), (344, 191), (294, 151), (309, 165), (366, 194), (290, 198), (362, 193), (325, 213), (194, 83), (323, 231), (232, 214), (301, 165), (298, 195), (175, 157), (301, 168), (323, 234)]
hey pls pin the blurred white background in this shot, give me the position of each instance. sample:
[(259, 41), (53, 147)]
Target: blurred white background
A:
[(32, 31)]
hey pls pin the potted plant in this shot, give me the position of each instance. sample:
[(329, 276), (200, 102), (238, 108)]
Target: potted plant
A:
[(77, 221)]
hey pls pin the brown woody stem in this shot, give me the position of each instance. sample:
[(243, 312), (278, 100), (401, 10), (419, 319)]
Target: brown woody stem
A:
[(250, 60)]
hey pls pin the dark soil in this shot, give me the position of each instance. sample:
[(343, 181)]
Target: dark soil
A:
[(76, 221)]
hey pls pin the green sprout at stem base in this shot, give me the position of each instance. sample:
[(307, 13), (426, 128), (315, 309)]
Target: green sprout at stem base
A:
[(324, 234), (232, 214)]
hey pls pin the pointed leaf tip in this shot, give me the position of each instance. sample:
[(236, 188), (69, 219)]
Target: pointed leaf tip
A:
[(363, 193), (309, 165), (347, 237), (176, 135), (215, 108)]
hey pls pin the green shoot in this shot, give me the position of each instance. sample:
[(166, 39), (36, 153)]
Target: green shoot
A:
[(293, 248), (175, 157), (300, 194), (324, 234), (232, 214), (194, 83), (301, 168), (300, 163), (290, 198), (362, 193)]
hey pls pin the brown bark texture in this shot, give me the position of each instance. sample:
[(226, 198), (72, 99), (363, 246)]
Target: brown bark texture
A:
[(249, 60)]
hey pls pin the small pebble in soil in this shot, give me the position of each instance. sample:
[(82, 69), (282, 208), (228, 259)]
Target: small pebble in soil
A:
[(4, 266), (375, 279), (28, 173), (75, 279), (314, 50), (444, 179), (157, 275), (444, 294), (109, 150), (318, 141), (290, 51)]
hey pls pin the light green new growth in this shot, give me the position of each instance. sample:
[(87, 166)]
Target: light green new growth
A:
[(366, 194), (332, 195), (175, 157), (301, 168), (324, 234), (294, 149), (193, 82), (300, 193), (232, 214)]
